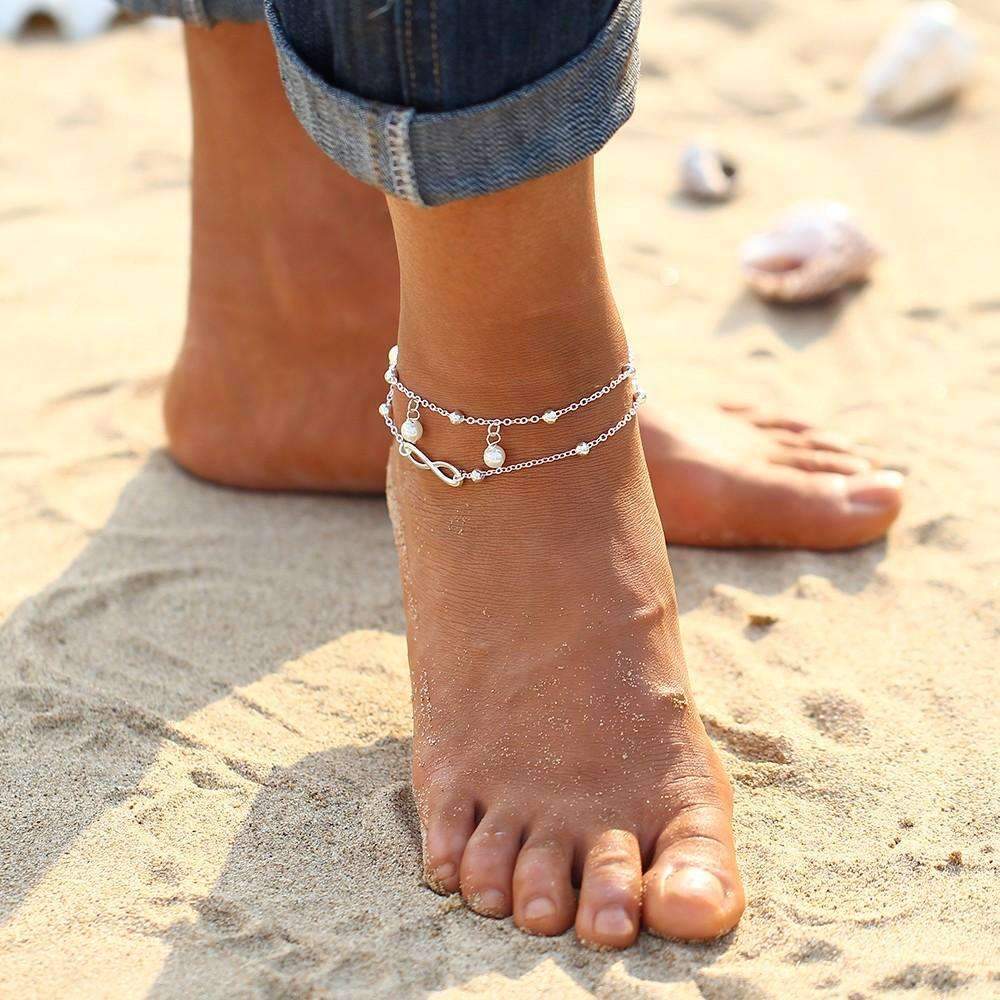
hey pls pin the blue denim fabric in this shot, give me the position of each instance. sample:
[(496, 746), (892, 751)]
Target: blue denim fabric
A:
[(436, 55), (203, 13), (432, 157), (433, 101)]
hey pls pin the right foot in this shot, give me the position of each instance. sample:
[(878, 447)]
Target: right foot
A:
[(289, 322), (562, 773)]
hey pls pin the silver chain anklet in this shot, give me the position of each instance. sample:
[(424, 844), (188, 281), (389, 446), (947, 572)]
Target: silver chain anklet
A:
[(494, 456)]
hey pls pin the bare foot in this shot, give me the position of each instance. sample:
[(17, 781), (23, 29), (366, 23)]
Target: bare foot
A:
[(294, 293), (556, 742), (740, 477), (561, 770), (281, 371)]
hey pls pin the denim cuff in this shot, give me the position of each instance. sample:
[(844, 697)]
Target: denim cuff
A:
[(430, 158), (203, 13)]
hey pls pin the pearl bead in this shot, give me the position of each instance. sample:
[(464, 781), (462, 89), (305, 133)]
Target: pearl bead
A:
[(384, 409), (455, 417), (393, 355), (412, 430), (550, 416), (390, 374), (476, 476), (494, 456), (583, 448)]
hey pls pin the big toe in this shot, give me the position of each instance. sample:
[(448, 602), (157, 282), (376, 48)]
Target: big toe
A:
[(689, 903), (874, 501), (693, 889), (826, 511)]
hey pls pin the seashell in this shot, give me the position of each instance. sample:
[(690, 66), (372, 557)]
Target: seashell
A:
[(706, 173), (808, 254), (928, 58), (75, 19)]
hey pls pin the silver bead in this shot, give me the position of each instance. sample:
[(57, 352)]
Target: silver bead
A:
[(455, 417), (476, 476), (384, 409), (583, 448), (393, 355), (550, 416), (494, 456), (412, 430), (640, 396)]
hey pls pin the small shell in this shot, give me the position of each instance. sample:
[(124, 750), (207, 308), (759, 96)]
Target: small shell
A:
[(928, 58), (808, 254), (706, 173), (75, 19)]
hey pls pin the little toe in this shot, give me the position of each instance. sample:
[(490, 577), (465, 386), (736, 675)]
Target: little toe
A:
[(611, 892), (449, 827), (693, 890), (544, 900), (487, 868)]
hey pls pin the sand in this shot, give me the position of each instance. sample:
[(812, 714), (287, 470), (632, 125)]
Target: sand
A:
[(203, 701)]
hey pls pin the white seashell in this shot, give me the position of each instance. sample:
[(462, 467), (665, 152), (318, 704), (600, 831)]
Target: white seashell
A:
[(75, 19), (706, 173), (928, 58), (809, 253)]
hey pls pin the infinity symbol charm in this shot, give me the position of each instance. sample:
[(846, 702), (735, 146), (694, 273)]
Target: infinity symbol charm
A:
[(446, 472)]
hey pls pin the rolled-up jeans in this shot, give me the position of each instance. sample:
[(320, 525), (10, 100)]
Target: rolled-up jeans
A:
[(436, 100)]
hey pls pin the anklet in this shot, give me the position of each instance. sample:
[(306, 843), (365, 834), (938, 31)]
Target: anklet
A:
[(494, 455)]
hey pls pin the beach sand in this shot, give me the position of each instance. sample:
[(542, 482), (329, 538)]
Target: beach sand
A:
[(204, 717)]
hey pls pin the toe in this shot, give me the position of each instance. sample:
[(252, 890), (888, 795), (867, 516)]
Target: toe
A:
[(830, 441), (449, 827), (487, 868), (766, 421), (611, 892), (821, 461), (770, 421), (693, 890), (544, 901), (829, 511), (815, 441), (879, 492)]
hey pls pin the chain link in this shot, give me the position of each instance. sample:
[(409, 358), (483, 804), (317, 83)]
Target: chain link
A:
[(393, 379), (477, 475)]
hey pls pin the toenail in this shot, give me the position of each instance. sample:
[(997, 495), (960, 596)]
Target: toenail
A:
[(695, 883), (490, 901), (613, 921), (444, 872), (539, 909), (875, 485)]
